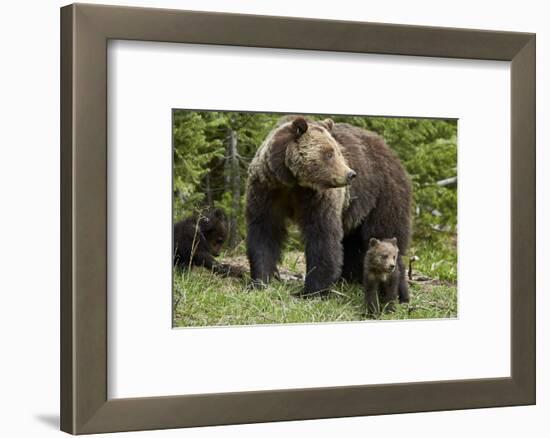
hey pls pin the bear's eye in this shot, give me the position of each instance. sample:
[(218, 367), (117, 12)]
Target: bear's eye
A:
[(329, 155)]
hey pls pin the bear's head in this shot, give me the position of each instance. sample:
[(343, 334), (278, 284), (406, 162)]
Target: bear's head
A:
[(213, 226), (382, 255), (304, 152)]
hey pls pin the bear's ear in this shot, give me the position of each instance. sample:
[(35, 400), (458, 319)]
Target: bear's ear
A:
[(276, 160), (299, 124), (328, 124), (373, 242), (393, 240)]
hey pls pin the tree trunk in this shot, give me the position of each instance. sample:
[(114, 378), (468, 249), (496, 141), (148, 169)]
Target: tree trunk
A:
[(208, 190), (235, 187)]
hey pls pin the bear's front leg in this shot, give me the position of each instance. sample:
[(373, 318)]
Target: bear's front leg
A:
[(324, 253), (266, 233), (372, 301), (389, 294)]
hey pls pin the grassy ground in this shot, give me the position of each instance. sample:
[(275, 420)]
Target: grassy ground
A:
[(202, 298)]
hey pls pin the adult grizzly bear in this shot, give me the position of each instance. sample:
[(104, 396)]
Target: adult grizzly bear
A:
[(341, 184)]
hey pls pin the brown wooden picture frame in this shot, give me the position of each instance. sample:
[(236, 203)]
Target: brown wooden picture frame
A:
[(85, 31)]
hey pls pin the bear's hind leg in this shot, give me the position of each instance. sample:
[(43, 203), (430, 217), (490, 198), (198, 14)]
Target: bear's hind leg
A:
[(354, 255), (403, 286)]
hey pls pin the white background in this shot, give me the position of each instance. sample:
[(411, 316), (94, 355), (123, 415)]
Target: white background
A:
[(148, 358), (29, 236)]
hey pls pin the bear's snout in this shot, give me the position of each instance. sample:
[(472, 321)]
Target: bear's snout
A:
[(345, 178), (351, 174)]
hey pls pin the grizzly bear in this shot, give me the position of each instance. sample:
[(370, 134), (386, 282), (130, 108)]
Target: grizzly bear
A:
[(199, 238), (381, 275), (341, 184)]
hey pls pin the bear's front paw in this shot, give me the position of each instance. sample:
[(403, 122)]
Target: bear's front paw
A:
[(316, 294)]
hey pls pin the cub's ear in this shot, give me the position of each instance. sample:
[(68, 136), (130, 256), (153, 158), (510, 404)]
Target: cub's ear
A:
[(299, 124), (373, 242), (328, 124), (393, 240)]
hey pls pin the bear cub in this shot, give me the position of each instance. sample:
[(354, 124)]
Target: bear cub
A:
[(381, 275), (198, 239)]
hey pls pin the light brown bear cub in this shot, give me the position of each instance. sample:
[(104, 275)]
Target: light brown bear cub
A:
[(381, 275)]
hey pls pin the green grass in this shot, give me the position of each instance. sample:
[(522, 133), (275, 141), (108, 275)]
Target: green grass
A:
[(437, 258), (202, 298)]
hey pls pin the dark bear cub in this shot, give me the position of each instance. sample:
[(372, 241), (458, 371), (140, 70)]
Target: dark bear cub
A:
[(381, 275), (198, 240)]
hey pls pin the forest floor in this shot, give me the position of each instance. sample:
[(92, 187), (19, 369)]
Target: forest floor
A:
[(202, 298)]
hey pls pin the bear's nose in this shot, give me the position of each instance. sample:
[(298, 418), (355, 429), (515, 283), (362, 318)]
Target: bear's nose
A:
[(351, 174), (392, 267)]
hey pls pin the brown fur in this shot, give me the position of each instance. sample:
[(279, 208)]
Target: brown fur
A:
[(304, 172), (381, 274)]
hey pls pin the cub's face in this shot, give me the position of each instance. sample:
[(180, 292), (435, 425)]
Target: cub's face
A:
[(382, 254), (216, 238), (214, 229), (315, 158)]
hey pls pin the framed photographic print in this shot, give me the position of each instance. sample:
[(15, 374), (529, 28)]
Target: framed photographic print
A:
[(269, 219)]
